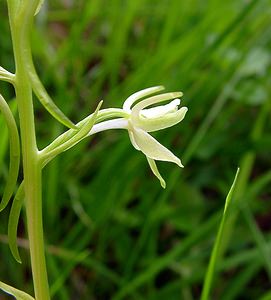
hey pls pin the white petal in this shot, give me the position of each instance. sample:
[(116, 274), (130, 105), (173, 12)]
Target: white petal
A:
[(152, 100), (160, 111), (153, 149), (156, 172), (111, 124), (166, 121), (138, 95)]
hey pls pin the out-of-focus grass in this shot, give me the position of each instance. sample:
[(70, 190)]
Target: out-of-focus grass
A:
[(111, 231)]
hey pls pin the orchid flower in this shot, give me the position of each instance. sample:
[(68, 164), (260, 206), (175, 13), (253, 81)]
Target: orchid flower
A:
[(140, 120)]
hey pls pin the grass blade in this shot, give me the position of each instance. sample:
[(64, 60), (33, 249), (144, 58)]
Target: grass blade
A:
[(215, 253)]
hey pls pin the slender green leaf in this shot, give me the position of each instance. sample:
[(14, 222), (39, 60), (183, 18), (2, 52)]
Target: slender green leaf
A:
[(19, 295), (14, 153), (4, 132), (216, 249), (44, 97), (13, 222)]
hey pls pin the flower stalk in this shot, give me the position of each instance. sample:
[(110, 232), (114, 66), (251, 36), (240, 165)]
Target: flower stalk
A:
[(20, 30)]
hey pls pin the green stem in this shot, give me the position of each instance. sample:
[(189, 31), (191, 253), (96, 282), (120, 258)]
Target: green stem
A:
[(20, 30)]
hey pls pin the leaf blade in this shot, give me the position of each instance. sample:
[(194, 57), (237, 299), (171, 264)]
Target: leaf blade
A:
[(215, 252), (18, 294), (13, 222), (44, 97), (14, 153)]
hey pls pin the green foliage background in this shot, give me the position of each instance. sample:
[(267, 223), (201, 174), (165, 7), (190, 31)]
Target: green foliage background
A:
[(111, 231)]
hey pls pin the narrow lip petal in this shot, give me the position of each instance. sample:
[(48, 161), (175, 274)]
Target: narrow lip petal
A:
[(140, 94), (156, 172), (152, 148), (152, 100), (155, 124)]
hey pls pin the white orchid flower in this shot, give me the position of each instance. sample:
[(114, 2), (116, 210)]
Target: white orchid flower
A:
[(139, 120)]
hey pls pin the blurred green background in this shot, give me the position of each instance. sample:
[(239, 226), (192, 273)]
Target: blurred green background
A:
[(111, 231)]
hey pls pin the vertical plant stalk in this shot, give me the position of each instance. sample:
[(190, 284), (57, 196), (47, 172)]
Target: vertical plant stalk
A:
[(20, 22)]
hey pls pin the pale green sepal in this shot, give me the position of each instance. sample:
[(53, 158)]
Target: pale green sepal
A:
[(152, 100), (39, 7), (132, 139), (156, 172), (45, 99), (82, 133), (153, 149), (14, 153), (138, 95), (18, 294), (168, 120), (13, 221)]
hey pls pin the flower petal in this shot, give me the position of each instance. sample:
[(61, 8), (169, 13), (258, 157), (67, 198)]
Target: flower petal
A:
[(152, 100), (161, 110), (119, 123), (153, 149), (156, 172), (138, 95), (159, 123), (132, 139)]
